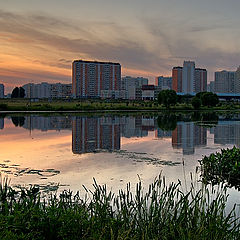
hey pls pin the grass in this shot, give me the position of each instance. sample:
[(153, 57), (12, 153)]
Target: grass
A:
[(159, 212), (103, 105)]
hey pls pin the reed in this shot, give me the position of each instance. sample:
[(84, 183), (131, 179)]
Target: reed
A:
[(159, 212)]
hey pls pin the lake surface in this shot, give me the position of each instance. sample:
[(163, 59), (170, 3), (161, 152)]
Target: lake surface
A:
[(66, 152)]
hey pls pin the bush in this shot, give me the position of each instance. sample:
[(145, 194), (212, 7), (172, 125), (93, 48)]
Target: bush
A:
[(222, 167), (196, 102), (3, 106)]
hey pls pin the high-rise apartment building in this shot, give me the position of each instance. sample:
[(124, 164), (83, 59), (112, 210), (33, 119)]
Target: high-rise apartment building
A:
[(200, 80), (163, 82), (177, 79), (1, 91), (188, 79), (237, 82), (96, 79), (225, 82)]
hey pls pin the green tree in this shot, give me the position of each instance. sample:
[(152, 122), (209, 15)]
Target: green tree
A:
[(196, 102), (167, 98), (209, 99)]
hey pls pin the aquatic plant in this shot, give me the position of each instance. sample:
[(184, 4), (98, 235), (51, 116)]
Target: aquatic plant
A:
[(222, 166)]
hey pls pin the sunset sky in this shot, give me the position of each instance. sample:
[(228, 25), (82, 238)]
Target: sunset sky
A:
[(40, 39)]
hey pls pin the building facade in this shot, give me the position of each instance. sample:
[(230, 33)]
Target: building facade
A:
[(177, 79), (1, 91), (46, 90), (163, 82), (132, 86), (225, 82), (91, 79), (200, 80), (188, 79)]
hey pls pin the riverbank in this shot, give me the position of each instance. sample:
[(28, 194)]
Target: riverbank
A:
[(24, 105), (165, 212)]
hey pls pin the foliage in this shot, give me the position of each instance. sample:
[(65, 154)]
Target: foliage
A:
[(167, 122), (3, 106), (161, 212), (208, 98), (167, 97), (196, 102), (222, 167), (18, 93)]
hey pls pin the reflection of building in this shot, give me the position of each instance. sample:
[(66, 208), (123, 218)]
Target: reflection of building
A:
[(1, 123), (96, 79), (187, 136), (1, 91), (159, 133), (47, 123), (92, 133), (227, 132)]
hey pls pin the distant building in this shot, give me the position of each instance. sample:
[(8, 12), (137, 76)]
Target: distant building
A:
[(225, 82), (59, 90), (132, 86), (177, 79), (163, 82), (188, 79), (211, 87), (148, 92), (237, 83), (200, 80), (92, 79), (47, 90), (1, 91)]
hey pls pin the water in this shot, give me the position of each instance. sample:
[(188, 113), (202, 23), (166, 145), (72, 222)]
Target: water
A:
[(68, 151)]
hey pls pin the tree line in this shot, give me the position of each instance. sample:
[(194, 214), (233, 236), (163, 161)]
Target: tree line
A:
[(170, 97)]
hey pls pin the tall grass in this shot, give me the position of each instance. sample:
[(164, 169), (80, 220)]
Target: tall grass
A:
[(160, 212)]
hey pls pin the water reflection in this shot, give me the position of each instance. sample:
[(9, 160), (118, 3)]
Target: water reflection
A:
[(1, 123), (94, 133)]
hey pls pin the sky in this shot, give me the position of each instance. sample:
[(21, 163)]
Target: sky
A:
[(40, 39)]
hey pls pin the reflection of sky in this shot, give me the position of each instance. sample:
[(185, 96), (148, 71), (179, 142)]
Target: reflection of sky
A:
[(140, 155)]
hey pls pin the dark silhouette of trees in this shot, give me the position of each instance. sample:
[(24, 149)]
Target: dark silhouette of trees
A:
[(196, 102), (18, 121), (167, 122), (167, 98), (209, 99), (18, 92)]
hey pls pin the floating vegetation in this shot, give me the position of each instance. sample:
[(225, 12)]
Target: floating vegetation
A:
[(14, 169), (145, 157)]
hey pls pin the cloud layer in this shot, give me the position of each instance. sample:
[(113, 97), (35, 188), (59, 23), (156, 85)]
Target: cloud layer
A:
[(40, 47)]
